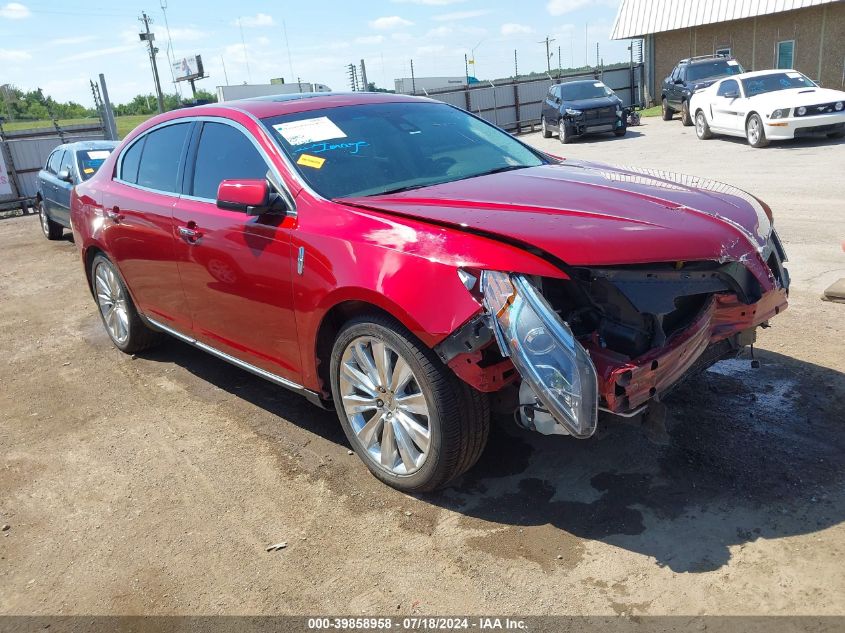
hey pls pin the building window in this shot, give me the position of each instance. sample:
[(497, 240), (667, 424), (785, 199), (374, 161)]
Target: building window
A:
[(725, 51), (785, 53)]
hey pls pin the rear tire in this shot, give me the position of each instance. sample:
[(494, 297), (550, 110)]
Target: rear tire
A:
[(666, 110), (547, 133), (415, 434), (686, 119), (51, 230), (120, 317), (754, 132), (702, 128)]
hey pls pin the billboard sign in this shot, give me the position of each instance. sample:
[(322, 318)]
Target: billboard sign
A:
[(188, 68), (5, 183)]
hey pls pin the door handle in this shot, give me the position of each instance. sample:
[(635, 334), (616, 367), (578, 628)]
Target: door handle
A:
[(190, 235), (114, 215)]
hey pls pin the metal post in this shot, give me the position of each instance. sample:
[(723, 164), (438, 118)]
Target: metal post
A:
[(466, 67), (364, 77), (413, 81), (149, 38), (111, 124), (547, 41)]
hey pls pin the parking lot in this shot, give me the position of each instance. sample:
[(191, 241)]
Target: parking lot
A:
[(154, 484)]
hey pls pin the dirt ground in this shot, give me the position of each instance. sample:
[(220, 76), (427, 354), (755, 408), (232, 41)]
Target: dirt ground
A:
[(154, 484)]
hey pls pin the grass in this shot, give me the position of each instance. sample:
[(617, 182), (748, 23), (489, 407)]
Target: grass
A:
[(655, 111), (125, 124)]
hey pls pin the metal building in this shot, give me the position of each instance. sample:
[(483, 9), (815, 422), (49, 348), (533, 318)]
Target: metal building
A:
[(808, 35)]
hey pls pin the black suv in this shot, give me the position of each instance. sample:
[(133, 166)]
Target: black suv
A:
[(690, 75), (575, 108)]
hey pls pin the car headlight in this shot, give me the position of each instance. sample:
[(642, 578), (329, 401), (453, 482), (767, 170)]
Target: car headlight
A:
[(543, 350), (573, 112), (780, 113), (801, 111), (838, 106)]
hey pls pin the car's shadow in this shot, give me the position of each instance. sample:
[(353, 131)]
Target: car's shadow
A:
[(804, 142), (752, 453)]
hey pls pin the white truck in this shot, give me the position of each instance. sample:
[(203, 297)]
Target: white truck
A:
[(247, 91)]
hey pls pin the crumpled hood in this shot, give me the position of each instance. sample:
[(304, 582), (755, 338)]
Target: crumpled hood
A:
[(592, 104), (590, 214)]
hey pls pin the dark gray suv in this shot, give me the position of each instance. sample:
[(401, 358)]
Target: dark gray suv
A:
[(68, 165), (690, 75)]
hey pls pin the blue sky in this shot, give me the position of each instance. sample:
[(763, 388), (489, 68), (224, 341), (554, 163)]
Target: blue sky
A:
[(59, 46)]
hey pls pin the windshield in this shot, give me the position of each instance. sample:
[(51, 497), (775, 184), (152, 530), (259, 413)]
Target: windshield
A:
[(379, 148), (775, 81), (717, 68), (89, 161), (585, 90)]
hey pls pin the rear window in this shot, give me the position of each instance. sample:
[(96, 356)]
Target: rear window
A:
[(716, 68), (90, 160), (224, 153), (130, 160), (159, 166)]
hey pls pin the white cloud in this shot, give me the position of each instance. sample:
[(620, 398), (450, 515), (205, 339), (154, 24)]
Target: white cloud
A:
[(14, 11), (99, 52), (7, 55), (431, 49), (511, 29), (70, 41), (561, 7), (430, 3), (401, 37), (460, 15), (186, 34), (257, 20), (390, 22), (370, 39)]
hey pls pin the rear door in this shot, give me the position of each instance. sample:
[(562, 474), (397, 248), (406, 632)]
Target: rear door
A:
[(236, 270), (138, 206)]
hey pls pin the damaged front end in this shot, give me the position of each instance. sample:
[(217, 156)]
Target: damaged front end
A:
[(612, 338)]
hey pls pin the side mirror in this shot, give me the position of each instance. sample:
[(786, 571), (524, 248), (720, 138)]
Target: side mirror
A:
[(558, 100), (252, 197), (65, 176), (731, 95), (679, 82)]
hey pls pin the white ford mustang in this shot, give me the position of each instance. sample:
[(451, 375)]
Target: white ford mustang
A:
[(768, 105)]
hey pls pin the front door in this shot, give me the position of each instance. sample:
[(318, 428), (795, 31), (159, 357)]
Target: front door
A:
[(727, 107), (236, 269)]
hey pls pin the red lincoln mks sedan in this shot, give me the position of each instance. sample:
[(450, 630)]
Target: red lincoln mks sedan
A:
[(400, 260)]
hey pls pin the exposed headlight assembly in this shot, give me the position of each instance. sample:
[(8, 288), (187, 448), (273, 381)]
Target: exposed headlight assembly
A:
[(780, 113), (543, 350), (573, 112)]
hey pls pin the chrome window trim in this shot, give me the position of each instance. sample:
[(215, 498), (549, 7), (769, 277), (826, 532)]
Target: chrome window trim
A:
[(289, 200), (263, 373)]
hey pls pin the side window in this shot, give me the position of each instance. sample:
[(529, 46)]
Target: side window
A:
[(551, 95), (130, 160), (55, 160), (224, 153), (682, 73), (67, 162), (727, 86), (159, 166)]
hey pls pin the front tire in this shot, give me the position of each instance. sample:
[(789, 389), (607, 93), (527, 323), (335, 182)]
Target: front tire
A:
[(51, 230), (413, 423), (117, 310), (666, 111), (754, 132), (621, 132), (547, 133), (686, 119), (702, 128), (564, 134)]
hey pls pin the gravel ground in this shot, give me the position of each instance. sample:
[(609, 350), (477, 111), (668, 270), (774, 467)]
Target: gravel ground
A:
[(154, 484)]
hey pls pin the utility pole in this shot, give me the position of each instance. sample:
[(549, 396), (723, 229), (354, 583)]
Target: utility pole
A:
[(548, 41), (586, 44), (413, 81), (364, 77), (353, 77), (225, 74), (515, 65), (466, 67), (246, 55), (597, 55), (559, 64), (149, 38)]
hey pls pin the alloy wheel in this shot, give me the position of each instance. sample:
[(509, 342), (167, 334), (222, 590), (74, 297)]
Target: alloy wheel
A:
[(111, 300), (45, 221), (753, 130), (385, 405)]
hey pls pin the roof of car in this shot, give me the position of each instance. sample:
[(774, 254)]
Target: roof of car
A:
[(579, 82), (96, 144), (275, 105), (703, 59)]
